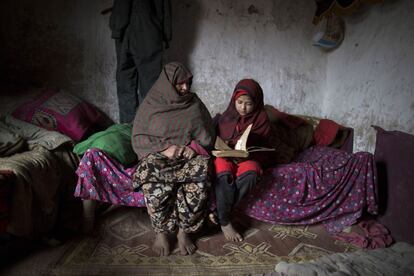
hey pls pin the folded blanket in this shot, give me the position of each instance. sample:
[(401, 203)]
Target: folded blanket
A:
[(371, 235), (34, 204), (10, 142), (35, 135), (41, 174)]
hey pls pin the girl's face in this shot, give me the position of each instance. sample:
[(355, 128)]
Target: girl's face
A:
[(183, 88), (244, 105)]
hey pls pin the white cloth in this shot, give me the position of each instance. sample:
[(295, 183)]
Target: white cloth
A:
[(395, 260)]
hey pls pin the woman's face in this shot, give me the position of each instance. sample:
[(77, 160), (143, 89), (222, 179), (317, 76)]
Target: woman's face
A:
[(244, 105), (183, 88)]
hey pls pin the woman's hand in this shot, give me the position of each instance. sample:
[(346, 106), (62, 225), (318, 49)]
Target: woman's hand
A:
[(175, 151), (188, 153), (170, 152)]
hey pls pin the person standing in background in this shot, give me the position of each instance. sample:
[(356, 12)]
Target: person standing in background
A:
[(140, 29)]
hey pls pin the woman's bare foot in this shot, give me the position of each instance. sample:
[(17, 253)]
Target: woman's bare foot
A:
[(186, 246), (230, 233), (161, 245)]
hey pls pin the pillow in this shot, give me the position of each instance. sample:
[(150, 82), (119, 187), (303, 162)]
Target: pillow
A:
[(329, 133), (59, 111), (394, 155), (115, 141), (325, 132)]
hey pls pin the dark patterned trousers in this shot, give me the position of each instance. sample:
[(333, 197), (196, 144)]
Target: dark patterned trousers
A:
[(176, 191)]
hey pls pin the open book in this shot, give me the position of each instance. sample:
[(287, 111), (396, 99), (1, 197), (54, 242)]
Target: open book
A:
[(240, 149)]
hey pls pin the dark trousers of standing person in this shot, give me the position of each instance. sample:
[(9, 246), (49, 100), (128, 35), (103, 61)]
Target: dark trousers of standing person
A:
[(135, 75), (140, 29)]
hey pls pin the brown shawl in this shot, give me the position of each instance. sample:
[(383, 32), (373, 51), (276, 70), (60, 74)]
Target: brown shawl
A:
[(166, 118)]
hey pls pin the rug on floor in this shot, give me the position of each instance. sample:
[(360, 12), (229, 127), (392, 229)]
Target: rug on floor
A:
[(121, 243)]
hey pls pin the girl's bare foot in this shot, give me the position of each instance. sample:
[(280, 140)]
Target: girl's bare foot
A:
[(161, 246), (186, 246), (231, 234)]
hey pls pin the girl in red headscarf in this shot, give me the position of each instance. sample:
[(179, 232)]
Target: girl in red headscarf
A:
[(235, 177)]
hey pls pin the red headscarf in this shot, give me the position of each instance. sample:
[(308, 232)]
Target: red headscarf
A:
[(231, 125)]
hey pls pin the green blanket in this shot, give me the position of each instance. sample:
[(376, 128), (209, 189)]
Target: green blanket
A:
[(115, 141)]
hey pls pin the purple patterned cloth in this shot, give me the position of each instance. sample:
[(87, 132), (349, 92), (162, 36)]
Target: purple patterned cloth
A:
[(104, 179), (323, 185)]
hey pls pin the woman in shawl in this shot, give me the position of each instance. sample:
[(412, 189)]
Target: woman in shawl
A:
[(171, 130), (235, 177)]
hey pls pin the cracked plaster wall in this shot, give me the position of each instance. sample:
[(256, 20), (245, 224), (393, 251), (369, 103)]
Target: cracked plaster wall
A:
[(370, 77), (265, 40)]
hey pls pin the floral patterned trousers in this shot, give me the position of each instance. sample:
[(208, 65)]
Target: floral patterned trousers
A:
[(176, 191)]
